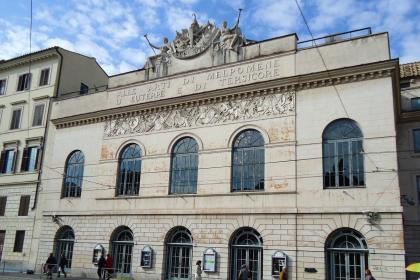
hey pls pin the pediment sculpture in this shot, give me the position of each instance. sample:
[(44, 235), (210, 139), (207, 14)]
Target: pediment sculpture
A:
[(196, 39)]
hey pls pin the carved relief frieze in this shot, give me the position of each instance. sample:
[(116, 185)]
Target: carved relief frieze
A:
[(260, 106)]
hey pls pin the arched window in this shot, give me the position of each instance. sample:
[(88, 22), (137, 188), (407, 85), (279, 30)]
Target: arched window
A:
[(129, 168), (246, 248), (122, 249), (64, 242), (342, 148), (73, 175), (347, 255), (248, 161), (184, 166), (179, 254)]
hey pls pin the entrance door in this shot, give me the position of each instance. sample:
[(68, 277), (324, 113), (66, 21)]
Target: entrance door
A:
[(123, 253), (66, 248), (179, 262), (249, 256), (348, 266), (2, 236)]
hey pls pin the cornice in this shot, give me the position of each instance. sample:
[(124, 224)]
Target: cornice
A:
[(16, 62), (346, 75)]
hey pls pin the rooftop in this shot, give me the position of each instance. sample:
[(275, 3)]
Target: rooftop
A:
[(410, 69)]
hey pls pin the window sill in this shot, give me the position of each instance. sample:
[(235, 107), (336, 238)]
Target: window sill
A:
[(71, 197), (345, 187)]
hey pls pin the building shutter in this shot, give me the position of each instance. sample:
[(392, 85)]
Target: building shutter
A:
[(2, 159), (24, 165), (3, 201), (19, 239), (14, 161), (24, 205)]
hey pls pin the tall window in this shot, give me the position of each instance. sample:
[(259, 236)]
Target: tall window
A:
[(2, 237), (24, 205), (38, 114), (24, 82), (64, 242), (184, 166), (30, 159), (246, 248), (16, 117), (19, 239), (347, 255), (342, 148), (73, 175), (2, 86), (179, 254), (248, 161), (44, 78), (416, 140), (129, 170), (3, 202), (8, 161), (122, 249), (418, 190)]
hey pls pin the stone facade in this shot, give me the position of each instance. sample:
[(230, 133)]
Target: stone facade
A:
[(408, 158), (288, 97), (21, 132)]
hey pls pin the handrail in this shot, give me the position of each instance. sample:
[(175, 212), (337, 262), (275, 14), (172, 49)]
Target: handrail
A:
[(336, 37)]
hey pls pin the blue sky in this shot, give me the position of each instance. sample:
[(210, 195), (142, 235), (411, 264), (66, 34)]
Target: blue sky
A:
[(112, 30)]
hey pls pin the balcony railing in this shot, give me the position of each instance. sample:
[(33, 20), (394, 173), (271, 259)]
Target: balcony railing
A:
[(333, 38)]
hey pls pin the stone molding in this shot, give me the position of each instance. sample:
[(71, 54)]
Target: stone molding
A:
[(284, 85)]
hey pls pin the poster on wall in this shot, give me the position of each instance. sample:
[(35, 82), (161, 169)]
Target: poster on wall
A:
[(209, 260), (98, 251), (146, 257)]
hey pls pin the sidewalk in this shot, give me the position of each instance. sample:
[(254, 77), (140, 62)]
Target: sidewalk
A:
[(23, 276)]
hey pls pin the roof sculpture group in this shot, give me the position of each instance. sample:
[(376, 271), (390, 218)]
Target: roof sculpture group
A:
[(198, 38)]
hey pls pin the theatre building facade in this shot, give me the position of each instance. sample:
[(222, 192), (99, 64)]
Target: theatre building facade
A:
[(271, 154)]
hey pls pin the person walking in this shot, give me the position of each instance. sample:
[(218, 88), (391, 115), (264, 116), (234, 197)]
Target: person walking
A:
[(101, 265), (368, 275), (198, 270), (109, 266), (62, 264), (244, 273), (50, 264), (283, 274)]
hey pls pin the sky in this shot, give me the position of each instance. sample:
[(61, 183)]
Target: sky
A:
[(113, 31)]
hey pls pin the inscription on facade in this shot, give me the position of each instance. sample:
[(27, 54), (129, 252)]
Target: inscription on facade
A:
[(280, 104), (217, 79)]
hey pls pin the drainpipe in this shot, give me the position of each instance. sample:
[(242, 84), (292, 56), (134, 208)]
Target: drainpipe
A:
[(47, 124)]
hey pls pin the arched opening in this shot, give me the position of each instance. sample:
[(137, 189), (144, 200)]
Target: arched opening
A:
[(129, 171), (347, 255), (342, 151), (246, 248), (184, 166), (248, 161), (122, 243), (179, 254), (73, 175), (64, 243)]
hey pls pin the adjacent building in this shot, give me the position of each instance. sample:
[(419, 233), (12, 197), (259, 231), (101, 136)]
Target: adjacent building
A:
[(409, 158), (27, 84), (267, 154)]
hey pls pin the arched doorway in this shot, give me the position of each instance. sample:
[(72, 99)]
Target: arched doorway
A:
[(347, 255), (246, 247), (64, 243), (179, 254), (122, 243)]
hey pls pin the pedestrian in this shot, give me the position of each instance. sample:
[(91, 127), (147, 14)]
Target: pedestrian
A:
[(50, 264), (62, 264), (101, 265), (198, 270), (283, 274), (109, 265), (244, 273), (368, 275)]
